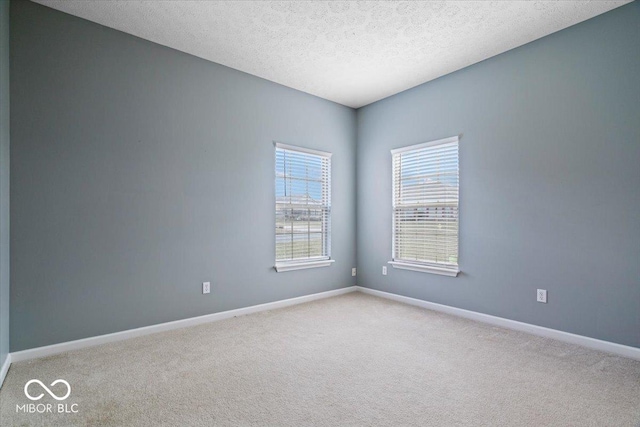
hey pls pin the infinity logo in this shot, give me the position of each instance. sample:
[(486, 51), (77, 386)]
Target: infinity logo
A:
[(52, 394)]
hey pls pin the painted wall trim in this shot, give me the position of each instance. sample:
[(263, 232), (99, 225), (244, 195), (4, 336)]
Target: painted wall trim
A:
[(34, 353), (50, 350), (291, 266), (5, 368), (425, 268), (606, 346)]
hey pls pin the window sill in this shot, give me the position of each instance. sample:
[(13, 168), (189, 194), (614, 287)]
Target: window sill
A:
[(425, 268), (290, 266)]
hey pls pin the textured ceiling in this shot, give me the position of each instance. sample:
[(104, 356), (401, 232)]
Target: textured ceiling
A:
[(353, 53)]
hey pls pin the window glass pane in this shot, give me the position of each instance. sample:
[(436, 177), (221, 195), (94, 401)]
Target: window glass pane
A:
[(303, 204), (425, 202)]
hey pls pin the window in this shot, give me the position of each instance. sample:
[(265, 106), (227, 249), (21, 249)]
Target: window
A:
[(303, 208), (425, 207)]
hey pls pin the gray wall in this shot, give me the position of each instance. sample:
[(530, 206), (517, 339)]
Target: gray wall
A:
[(4, 180), (549, 180), (138, 172)]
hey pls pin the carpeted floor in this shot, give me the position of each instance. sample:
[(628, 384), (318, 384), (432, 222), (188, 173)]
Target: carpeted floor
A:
[(349, 360)]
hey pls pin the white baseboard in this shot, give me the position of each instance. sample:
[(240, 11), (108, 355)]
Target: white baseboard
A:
[(5, 369), (606, 346), (50, 350), (34, 353)]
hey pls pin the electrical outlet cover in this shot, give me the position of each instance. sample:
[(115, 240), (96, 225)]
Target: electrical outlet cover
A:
[(542, 295)]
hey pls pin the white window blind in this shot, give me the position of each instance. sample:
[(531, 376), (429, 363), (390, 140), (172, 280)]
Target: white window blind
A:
[(303, 207), (425, 207)]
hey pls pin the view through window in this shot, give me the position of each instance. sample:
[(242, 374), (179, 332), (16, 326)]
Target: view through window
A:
[(425, 205), (303, 204)]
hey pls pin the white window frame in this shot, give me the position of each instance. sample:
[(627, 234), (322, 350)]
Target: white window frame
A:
[(314, 262), (446, 269)]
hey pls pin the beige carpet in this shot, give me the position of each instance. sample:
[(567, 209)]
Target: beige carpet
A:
[(349, 360)]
